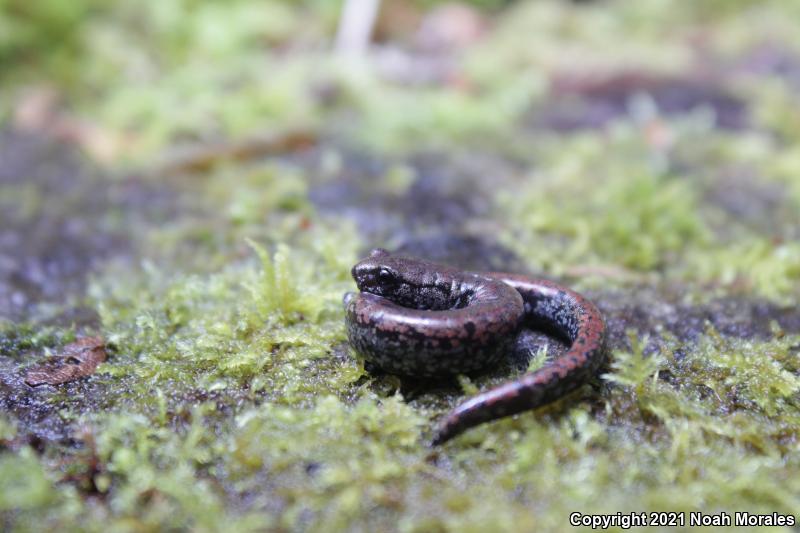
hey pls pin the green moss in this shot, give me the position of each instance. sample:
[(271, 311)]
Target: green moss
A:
[(206, 330), (634, 368), (760, 267), (20, 338), (600, 202), (47, 34), (8, 430), (25, 484), (394, 119), (747, 371)]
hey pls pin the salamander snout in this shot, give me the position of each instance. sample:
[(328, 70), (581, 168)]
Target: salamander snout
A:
[(374, 278)]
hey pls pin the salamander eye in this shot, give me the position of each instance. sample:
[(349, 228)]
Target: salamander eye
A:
[(385, 275)]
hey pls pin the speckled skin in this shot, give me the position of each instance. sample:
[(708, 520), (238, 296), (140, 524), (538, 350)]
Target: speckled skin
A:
[(418, 318), (558, 308), (414, 317)]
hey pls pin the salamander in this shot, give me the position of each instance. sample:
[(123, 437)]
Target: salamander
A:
[(414, 317)]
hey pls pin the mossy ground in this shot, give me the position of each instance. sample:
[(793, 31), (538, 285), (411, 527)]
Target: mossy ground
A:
[(231, 401)]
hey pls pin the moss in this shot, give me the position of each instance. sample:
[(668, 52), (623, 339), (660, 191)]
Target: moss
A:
[(747, 371), (205, 330), (8, 430), (25, 485), (395, 120), (19, 339), (760, 267), (572, 207), (604, 203), (30, 31)]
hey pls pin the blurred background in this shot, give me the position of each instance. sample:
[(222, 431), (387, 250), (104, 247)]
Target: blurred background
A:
[(191, 180)]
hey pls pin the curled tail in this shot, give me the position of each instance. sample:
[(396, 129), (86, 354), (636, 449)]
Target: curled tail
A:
[(546, 304)]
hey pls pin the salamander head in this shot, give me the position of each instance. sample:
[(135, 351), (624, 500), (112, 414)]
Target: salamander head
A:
[(407, 281), (378, 273)]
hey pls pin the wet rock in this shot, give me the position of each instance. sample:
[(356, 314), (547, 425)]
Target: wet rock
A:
[(431, 217), (655, 314), (59, 219), (762, 206), (38, 411), (466, 252)]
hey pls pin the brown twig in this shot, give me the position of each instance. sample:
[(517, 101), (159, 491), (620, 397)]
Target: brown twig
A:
[(203, 157)]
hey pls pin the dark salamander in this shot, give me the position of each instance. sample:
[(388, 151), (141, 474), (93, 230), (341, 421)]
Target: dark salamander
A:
[(417, 318)]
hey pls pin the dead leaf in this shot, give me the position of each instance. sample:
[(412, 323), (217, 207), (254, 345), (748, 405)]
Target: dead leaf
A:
[(78, 359)]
